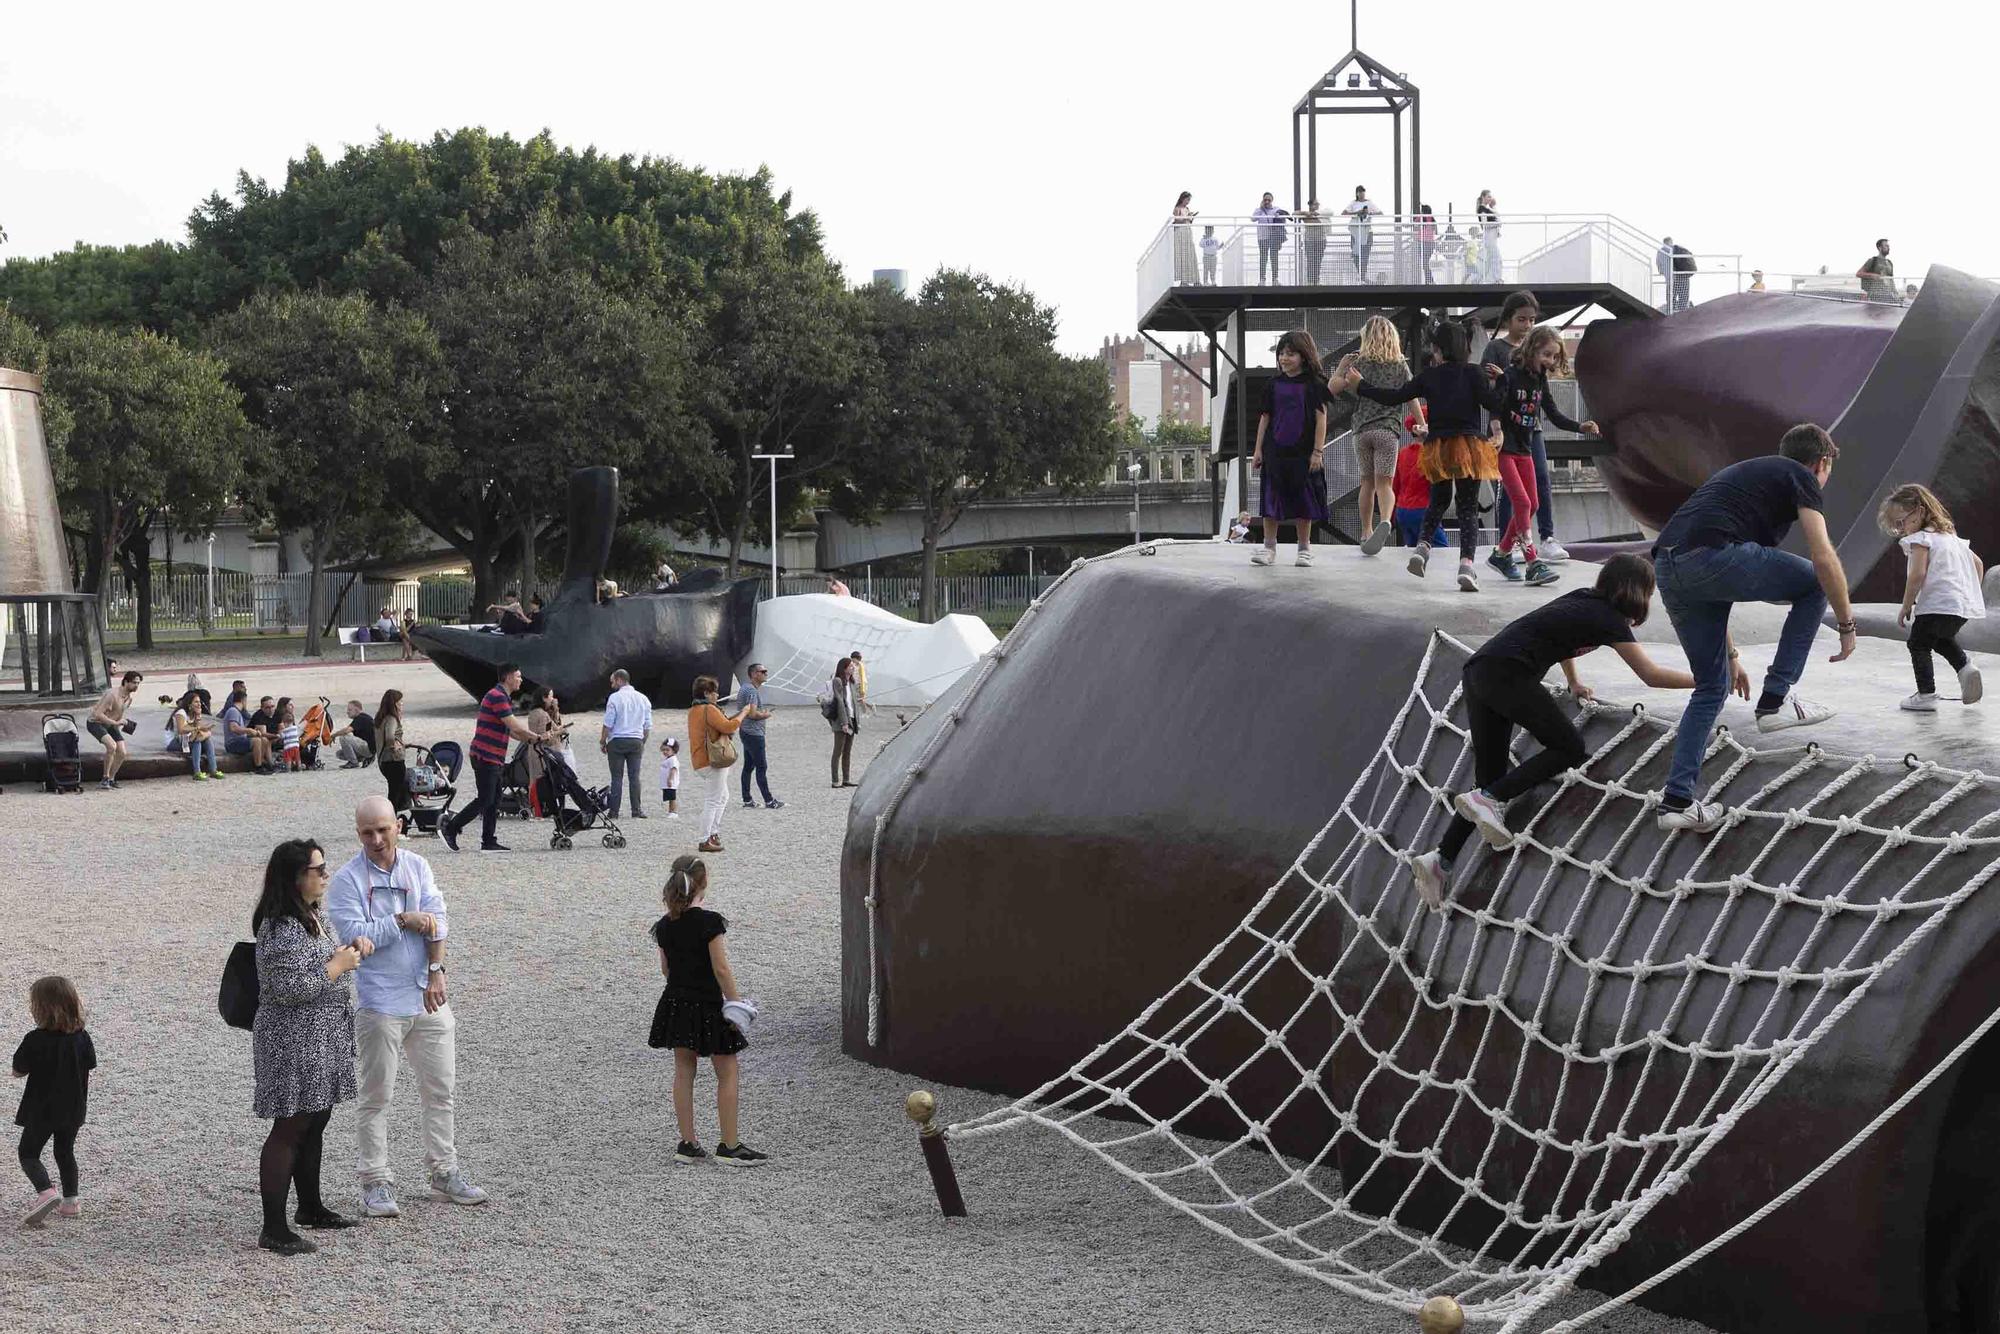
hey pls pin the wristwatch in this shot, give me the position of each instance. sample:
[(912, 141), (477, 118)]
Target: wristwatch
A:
[(437, 968)]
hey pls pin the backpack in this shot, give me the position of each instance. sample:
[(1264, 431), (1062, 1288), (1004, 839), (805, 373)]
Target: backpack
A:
[(236, 999), (828, 709)]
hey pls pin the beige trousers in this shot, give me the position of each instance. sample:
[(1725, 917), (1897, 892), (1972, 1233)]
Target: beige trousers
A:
[(382, 1041)]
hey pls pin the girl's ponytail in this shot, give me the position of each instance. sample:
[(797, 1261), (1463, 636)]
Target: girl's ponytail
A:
[(685, 883)]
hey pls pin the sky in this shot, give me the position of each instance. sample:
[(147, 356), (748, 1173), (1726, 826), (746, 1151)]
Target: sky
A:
[(1044, 143)]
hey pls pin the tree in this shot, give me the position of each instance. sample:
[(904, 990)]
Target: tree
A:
[(341, 395), (970, 401), (21, 348), (1171, 434), (151, 433), (546, 371)]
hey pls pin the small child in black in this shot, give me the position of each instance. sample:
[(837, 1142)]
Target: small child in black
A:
[(1504, 690), (689, 1018), (56, 1060)]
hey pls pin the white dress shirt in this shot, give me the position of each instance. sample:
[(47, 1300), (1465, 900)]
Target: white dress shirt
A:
[(628, 714)]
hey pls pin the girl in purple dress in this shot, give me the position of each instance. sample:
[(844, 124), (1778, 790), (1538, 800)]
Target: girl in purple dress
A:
[(1291, 445)]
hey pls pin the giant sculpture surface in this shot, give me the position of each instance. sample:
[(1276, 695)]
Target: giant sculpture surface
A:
[(664, 640), (801, 639)]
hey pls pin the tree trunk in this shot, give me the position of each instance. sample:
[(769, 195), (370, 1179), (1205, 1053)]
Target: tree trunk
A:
[(529, 574), (736, 536), (136, 560), (316, 608), (927, 584)]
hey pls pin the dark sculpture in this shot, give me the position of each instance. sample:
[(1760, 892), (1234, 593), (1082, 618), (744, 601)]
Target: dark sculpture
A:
[(1910, 393), (664, 640), (1125, 786)]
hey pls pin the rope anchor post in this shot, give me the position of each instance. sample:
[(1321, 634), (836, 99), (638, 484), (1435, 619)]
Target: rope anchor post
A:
[(1441, 1315), (920, 1107)]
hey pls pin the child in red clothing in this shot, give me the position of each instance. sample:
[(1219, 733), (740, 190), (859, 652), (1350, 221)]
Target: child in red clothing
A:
[(1413, 493)]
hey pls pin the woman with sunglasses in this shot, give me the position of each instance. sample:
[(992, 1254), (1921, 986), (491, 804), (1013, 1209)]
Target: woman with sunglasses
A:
[(304, 1044)]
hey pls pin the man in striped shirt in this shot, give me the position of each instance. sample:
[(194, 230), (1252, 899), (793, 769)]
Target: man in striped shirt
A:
[(497, 722)]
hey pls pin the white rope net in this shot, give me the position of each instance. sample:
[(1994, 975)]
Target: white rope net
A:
[(1484, 1101)]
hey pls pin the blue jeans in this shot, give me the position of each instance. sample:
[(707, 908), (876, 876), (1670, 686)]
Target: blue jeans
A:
[(201, 753), (1698, 587), (1409, 525), (1545, 512), (755, 762), (624, 754)]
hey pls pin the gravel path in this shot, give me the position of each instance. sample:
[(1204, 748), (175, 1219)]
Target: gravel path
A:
[(564, 1114)]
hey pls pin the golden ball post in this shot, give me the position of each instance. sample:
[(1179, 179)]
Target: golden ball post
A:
[(920, 1107), (1441, 1315)]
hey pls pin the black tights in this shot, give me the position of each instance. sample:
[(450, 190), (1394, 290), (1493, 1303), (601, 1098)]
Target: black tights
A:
[(1498, 695), (32, 1140), (291, 1158), (1929, 632), (1463, 496)]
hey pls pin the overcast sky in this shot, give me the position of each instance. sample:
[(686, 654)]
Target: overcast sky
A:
[(1044, 143)]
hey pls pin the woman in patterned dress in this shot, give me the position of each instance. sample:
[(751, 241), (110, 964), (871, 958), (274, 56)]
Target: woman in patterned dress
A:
[(304, 1042)]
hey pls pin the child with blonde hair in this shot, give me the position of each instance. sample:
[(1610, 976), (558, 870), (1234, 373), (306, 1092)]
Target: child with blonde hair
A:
[(1942, 590), (1373, 426), (56, 1060), (690, 1018)]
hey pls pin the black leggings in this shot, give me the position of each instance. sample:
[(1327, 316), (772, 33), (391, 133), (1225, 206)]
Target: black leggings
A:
[(1930, 632), (843, 755), (396, 773), (32, 1140), (1462, 495), (1499, 695), (291, 1158)]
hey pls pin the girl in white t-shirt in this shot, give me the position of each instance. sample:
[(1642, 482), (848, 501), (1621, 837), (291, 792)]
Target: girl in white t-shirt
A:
[(670, 777), (1942, 591)]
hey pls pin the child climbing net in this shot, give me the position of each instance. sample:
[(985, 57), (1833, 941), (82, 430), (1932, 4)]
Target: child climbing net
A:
[(1486, 1100)]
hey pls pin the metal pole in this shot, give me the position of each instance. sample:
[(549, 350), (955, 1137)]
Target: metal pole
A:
[(1416, 154), (211, 576), (774, 525), (1312, 145), (1296, 201), (1135, 509)]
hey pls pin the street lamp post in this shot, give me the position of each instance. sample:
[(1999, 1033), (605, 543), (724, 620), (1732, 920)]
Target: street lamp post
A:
[(211, 575), (772, 459), (1132, 471)]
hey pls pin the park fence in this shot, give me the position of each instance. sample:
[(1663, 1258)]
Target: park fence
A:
[(234, 602)]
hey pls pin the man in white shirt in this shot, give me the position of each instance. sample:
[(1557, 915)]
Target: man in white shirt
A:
[(390, 896), (628, 721), (1360, 231)]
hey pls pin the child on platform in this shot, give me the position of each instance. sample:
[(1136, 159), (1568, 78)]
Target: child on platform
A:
[(670, 777), (1503, 690), (1942, 591), (1290, 452), (1456, 456), (689, 1017), (1525, 400), (1413, 493), (56, 1059)]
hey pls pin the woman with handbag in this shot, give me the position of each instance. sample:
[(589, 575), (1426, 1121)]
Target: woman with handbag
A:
[(712, 751), (845, 719)]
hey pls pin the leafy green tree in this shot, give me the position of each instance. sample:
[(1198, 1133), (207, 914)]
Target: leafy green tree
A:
[(21, 347), (157, 286), (150, 433), (1171, 434), (970, 401), (342, 395), (546, 371)]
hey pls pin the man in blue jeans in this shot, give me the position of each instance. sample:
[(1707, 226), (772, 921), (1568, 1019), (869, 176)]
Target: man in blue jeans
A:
[(1721, 548), (751, 735)]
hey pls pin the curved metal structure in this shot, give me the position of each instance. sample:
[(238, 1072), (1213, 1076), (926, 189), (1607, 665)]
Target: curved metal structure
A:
[(33, 556)]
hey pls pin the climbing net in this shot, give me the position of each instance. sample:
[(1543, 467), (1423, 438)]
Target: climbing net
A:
[(1484, 1101)]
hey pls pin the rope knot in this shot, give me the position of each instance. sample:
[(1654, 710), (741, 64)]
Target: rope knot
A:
[(1956, 843), (869, 900), (1738, 973), (1794, 818), (1640, 886), (1897, 837), (1845, 825), (1786, 977), (1650, 800)]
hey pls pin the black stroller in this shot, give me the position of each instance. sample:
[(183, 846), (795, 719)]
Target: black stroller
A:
[(574, 806), (515, 800), (433, 775), (61, 745)]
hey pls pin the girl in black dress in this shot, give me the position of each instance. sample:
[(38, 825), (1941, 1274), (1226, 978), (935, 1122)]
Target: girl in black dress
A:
[(695, 962), (56, 1059)]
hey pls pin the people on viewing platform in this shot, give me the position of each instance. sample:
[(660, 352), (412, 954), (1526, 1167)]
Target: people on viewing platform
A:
[(1290, 451), (1878, 274), (1360, 231), (1757, 280), (1183, 226), (1489, 238), (109, 724), (1312, 244), (1427, 241), (1270, 220), (1211, 251)]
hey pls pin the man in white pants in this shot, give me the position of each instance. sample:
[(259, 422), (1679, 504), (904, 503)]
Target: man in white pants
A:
[(389, 896)]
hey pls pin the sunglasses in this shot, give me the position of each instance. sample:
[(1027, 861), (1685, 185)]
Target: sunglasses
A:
[(318, 869)]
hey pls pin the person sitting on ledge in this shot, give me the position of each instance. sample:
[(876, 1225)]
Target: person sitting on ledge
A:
[(507, 614), (607, 590), (406, 630), (196, 731), (240, 738), (385, 627)]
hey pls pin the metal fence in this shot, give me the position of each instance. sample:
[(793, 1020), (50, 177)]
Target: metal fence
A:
[(233, 602)]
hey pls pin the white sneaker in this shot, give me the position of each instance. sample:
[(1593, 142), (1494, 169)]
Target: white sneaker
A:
[(1468, 578), (1488, 816), (1921, 703), (1420, 559), (673, 815), (1552, 550), (1305, 556), (1263, 555), (455, 1186), (379, 1201), (1375, 541), (1794, 712), (1429, 872), (1700, 817), (1970, 687)]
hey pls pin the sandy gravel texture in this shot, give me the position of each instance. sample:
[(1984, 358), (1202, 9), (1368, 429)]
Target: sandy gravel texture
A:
[(564, 1113)]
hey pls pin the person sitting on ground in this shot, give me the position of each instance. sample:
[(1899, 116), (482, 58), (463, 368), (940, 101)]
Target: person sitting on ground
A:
[(355, 743), (1721, 548), (109, 725), (407, 632), (1503, 690), (197, 733), (239, 738), (663, 578)]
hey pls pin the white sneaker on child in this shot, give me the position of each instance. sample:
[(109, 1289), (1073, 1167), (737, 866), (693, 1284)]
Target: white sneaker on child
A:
[(1429, 872), (1921, 703), (1263, 555), (1468, 578), (1488, 817), (1970, 687), (1305, 556)]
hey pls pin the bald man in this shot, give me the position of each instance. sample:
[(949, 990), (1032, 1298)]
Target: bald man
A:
[(389, 895)]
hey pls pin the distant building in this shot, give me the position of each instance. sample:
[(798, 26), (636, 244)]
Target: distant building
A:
[(1152, 388), (896, 278)]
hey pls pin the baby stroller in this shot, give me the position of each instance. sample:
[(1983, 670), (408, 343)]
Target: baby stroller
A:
[(315, 730), (60, 744), (574, 806), (515, 800), (433, 775)]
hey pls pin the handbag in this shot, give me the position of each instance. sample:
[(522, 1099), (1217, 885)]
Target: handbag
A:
[(237, 997), (721, 749)]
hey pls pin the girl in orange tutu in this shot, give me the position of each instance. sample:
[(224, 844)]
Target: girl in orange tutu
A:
[(1457, 455)]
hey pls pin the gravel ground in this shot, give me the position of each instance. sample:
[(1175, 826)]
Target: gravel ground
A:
[(564, 1113)]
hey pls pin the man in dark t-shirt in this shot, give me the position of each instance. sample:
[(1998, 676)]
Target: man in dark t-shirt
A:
[(1721, 548)]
